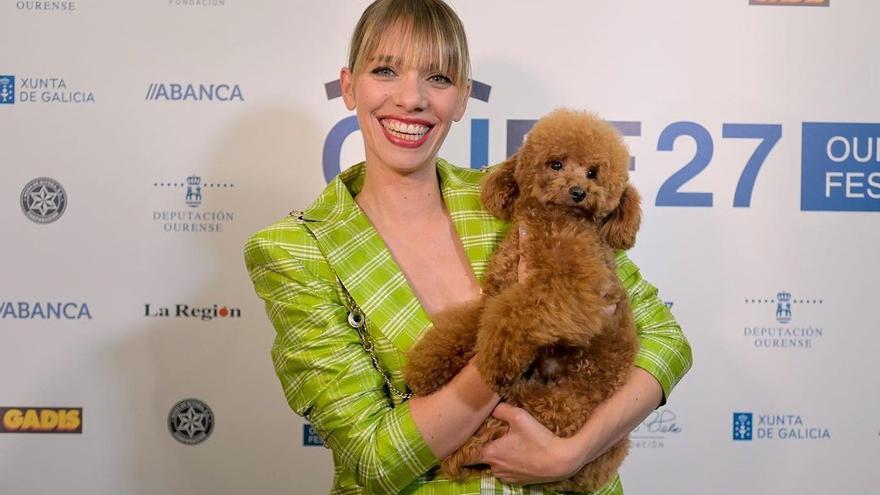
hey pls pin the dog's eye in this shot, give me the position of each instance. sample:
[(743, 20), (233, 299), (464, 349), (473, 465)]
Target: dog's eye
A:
[(593, 172), (555, 164)]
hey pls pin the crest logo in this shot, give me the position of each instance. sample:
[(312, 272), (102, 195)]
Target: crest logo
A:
[(7, 90), (783, 307), (43, 200), (193, 191), (194, 188), (785, 333), (742, 426), (190, 421), (783, 302)]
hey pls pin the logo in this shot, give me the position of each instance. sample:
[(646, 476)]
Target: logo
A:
[(310, 437), (781, 335), (186, 311), (44, 311), (7, 90), (742, 426), (42, 90), (41, 420), (796, 3), (43, 200), (68, 6), (775, 427), (840, 167), (655, 430), (194, 92), (190, 421), (517, 129), (193, 191)]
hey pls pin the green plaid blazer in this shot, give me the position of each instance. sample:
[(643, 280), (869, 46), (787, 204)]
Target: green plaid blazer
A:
[(329, 378)]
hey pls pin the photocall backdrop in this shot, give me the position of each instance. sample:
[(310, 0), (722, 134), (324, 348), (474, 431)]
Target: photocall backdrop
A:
[(143, 141)]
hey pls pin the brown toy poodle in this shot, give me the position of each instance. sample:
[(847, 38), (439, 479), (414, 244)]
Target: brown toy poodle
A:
[(563, 340)]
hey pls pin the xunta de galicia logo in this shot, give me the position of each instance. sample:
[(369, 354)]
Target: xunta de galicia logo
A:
[(42, 90), (749, 426)]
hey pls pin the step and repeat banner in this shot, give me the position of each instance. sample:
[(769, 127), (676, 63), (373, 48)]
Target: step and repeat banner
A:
[(142, 141)]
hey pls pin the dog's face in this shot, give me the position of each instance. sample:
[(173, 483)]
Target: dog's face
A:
[(575, 160)]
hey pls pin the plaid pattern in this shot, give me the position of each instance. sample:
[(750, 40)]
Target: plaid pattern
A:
[(327, 376)]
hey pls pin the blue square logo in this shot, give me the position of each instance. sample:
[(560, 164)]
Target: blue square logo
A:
[(742, 426), (310, 437), (7, 90)]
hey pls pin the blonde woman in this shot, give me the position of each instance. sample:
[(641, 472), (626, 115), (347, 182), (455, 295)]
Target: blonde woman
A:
[(351, 283)]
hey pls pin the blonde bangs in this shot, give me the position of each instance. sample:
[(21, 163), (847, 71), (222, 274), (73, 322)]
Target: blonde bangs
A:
[(431, 37)]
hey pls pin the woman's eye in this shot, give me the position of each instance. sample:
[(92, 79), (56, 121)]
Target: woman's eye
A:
[(593, 172), (555, 165), (383, 71), (440, 79)]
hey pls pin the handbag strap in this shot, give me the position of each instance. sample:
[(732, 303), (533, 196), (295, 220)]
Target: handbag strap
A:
[(358, 321)]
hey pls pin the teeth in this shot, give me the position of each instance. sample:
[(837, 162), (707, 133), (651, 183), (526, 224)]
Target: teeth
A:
[(405, 131)]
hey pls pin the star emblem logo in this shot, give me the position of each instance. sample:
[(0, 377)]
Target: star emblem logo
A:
[(43, 200), (190, 421)]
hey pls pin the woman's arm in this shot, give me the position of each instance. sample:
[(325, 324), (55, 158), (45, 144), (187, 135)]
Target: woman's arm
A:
[(328, 377), (449, 416)]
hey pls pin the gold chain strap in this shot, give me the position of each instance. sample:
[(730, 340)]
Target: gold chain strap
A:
[(358, 321)]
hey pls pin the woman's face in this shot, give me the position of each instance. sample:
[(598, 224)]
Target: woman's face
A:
[(404, 112)]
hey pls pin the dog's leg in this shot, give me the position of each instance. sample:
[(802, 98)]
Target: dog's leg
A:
[(444, 349)]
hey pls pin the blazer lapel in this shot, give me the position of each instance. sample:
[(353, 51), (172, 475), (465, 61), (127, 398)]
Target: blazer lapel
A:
[(477, 229), (361, 260), (363, 263)]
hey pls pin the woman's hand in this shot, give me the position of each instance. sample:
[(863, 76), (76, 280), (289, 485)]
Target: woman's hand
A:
[(528, 453)]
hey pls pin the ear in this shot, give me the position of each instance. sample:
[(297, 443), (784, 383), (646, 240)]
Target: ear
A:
[(499, 189), (462, 102), (620, 226), (346, 83)]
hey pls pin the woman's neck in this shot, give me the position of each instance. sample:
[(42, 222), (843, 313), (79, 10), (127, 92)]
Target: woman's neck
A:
[(390, 197)]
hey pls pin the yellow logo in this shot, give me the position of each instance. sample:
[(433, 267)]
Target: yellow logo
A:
[(40, 420)]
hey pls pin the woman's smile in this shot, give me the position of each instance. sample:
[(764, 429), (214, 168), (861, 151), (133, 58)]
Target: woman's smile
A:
[(406, 132)]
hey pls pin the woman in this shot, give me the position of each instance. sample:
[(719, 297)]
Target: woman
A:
[(400, 237)]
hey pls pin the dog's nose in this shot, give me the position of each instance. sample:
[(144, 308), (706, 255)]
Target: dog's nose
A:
[(577, 194)]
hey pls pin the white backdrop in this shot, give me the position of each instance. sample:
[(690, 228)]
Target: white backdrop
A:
[(96, 110)]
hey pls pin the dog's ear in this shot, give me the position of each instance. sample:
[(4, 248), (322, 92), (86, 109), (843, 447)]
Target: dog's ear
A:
[(621, 225), (499, 189)]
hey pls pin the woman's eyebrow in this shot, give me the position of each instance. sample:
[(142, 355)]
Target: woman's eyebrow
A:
[(387, 59)]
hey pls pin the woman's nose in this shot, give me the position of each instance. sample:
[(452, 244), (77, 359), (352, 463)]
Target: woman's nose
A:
[(411, 93)]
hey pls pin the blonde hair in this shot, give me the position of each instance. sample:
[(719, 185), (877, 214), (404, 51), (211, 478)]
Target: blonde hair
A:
[(432, 36)]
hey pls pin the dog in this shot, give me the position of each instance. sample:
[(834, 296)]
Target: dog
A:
[(563, 340)]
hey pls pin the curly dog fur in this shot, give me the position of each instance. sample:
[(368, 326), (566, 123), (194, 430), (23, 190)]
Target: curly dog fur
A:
[(562, 341)]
